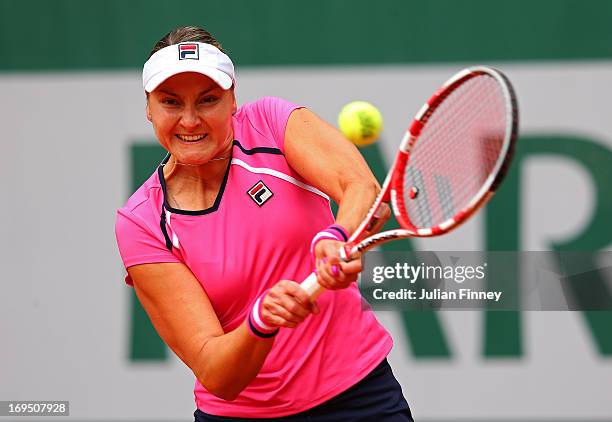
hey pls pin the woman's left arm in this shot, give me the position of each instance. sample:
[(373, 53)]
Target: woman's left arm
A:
[(331, 163)]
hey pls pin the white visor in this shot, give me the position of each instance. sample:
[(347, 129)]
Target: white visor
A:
[(188, 57)]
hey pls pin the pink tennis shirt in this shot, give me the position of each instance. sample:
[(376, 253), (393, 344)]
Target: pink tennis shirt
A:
[(258, 232)]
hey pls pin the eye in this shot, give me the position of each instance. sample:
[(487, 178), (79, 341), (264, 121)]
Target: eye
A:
[(208, 99), (169, 101)]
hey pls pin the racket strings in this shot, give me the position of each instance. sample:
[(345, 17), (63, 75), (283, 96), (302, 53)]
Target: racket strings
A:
[(456, 152)]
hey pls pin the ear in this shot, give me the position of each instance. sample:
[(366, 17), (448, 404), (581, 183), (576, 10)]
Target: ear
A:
[(148, 112), (234, 107), (147, 108)]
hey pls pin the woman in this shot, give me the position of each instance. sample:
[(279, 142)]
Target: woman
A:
[(216, 241)]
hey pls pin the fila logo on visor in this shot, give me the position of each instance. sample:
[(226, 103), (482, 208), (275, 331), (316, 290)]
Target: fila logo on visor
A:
[(260, 193), (189, 51)]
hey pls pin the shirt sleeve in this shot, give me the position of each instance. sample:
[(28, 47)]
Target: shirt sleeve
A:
[(137, 244), (276, 112)]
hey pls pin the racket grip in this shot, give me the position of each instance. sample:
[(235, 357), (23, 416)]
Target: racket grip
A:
[(312, 287)]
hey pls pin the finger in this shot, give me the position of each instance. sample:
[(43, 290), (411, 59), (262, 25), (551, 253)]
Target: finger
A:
[(277, 321), (334, 270), (344, 282), (291, 296), (323, 277), (296, 309), (279, 310), (351, 267), (315, 308), (294, 290), (283, 287), (340, 279), (270, 316), (327, 279)]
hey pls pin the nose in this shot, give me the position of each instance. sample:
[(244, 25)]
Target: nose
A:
[(190, 118)]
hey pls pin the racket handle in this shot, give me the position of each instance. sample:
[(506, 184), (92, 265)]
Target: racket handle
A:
[(312, 287)]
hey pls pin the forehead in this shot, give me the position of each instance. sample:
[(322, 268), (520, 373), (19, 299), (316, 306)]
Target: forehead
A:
[(186, 83)]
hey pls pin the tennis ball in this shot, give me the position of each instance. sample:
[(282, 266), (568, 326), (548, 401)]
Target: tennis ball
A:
[(360, 122)]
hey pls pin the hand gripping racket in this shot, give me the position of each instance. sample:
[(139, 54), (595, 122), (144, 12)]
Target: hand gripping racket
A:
[(451, 160)]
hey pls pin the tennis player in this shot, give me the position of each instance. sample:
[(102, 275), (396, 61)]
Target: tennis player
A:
[(217, 239)]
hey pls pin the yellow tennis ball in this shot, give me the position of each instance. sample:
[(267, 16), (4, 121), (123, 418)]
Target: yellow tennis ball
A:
[(360, 122)]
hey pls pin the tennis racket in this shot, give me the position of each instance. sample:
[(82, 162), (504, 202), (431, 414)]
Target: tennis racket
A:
[(451, 160)]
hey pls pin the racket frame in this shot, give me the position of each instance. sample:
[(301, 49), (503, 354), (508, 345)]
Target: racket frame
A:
[(392, 190)]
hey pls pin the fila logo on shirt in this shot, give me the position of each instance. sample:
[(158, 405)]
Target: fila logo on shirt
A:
[(260, 193), (189, 51)]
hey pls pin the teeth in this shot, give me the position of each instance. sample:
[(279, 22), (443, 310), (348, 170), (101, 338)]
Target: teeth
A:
[(191, 138)]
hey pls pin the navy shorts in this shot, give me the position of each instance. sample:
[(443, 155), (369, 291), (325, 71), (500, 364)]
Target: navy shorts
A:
[(377, 397)]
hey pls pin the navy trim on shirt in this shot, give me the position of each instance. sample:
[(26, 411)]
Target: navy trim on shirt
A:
[(213, 208), (258, 150)]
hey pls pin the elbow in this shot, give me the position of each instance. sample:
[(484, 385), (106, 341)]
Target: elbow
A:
[(375, 188), (226, 385), (224, 389), (364, 186), (228, 396), (369, 189), (225, 395)]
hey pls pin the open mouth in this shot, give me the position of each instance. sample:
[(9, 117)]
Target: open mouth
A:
[(191, 138)]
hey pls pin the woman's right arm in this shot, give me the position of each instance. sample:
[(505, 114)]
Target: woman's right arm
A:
[(183, 316)]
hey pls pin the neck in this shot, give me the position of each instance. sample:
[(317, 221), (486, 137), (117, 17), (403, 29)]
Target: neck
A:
[(184, 173), (195, 187)]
